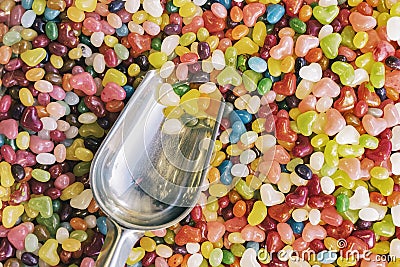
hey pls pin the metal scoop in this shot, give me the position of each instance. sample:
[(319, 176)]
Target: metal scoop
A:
[(144, 179)]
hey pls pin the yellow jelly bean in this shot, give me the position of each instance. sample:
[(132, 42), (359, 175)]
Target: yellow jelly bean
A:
[(181, 50), (218, 190), (26, 97), (395, 10), (72, 191), (7, 179), (331, 244), (384, 186), (28, 34), (346, 262), (189, 102), (75, 14), (11, 214), (157, 59), (113, 75), (173, 112), (217, 145), (35, 74), (164, 21), (365, 61), (219, 243), (258, 125), (233, 150), (360, 39), (148, 244), (246, 46), (213, 42), (75, 53), (71, 245), (236, 238), (84, 154), (382, 247), (342, 178), (31, 213), (38, 6), (380, 173), (259, 33), (156, 20), (135, 255), (180, 3), (206, 248), (287, 64), (187, 39), (48, 252), (354, 2), (110, 40), (34, 56), (140, 17), (274, 67), (70, 151), (187, 10), (382, 19), (86, 5), (133, 70), (202, 34), (56, 61), (294, 113), (258, 213), (23, 138)]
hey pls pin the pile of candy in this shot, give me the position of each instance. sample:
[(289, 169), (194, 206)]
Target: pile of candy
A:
[(306, 159)]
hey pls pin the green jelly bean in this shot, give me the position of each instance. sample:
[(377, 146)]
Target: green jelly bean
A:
[(79, 235), (343, 191), (237, 250), (325, 15), (331, 153), (231, 55), (82, 108), (52, 223), (216, 257), (241, 62), (91, 129), (91, 71), (251, 79), (11, 37), (330, 45), (229, 76), (156, 44), (319, 140), (328, 170), (345, 72), (81, 168), (350, 151), (121, 51), (244, 190), (293, 163), (85, 40), (350, 215), (41, 175), (51, 30), (171, 8), (297, 25), (385, 227), (12, 143), (377, 77), (341, 177), (369, 141), (187, 39), (56, 205), (169, 237), (342, 203), (264, 86), (228, 257), (43, 205), (348, 36), (181, 88), (305, 122)]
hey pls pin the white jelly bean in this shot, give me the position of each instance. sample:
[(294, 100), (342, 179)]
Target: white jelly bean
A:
[(325, 30), (195, 260), (284, 183), (312, 72), (43, 86), (270, 196), (49, 123), (62, 234), (360, 199), (248, 138), (392, 28), (253, 105), (327, 185), (172, 126), (153, 7), (395, 248), (249, 258), (99, 63), (167, 69), (300, 215), (317, 160), (28, 18), (97, 38), (45, 158), (169, 44), (207, 88), (368, 214), (314, 216), (193, 247), (218, 59), (348, 135), (247, 156), (265, 142), (396, 215), (167, 96), (239, 170)]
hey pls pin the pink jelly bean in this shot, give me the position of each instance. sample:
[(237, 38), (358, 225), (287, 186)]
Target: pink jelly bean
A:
[(392, 80), (311, 232), (334, 122), (219, 10), (361, 22), (304, 43), (17, 235), (60, 152), (351, 166), (283, 49), (194, 26), (235, 224), (299, 244), (84, 82), (92, 24), (326, 87), (112, 91), (160, 232), (252, 233), (9, 128), (77, 70), (307, 104), (372, 125), (63, 181), (252, 12), (151, 28), (58, 93), (8, 154), (382, 50), (160, 262), (87, 262), (285, 232), (37, 145), (331, 216), (107, 28), (216, 231), (25, 158), (391, 115), (5, 103)]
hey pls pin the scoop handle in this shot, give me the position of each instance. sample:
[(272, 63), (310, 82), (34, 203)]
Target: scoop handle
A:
[(117, 245)]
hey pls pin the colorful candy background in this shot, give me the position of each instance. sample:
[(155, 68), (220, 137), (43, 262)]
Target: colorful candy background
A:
[(306, 159)]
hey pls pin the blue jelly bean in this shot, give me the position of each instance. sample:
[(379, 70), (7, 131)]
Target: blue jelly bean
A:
[(67, 142), (244, 116), (273, 78), (303, 171), (238, 129), (122, 31), (326, 256), (275, 13), (253, 245), (225, 171), (297, 227), (27, 4), (226, 3), (257, 64), (137, 264), (116, 6), (51, 14), (234, 117), (66, 225), (2, 140), (101, 224), (283, 168), (129, 90)]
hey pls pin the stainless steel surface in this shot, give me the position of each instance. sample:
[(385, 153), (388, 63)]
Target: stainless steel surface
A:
[(144, 179)]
